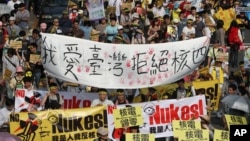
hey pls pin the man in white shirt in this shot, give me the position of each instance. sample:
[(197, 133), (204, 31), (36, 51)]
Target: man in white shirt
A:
[(117, 4), (102, 101), (5, 112), (11, 3)]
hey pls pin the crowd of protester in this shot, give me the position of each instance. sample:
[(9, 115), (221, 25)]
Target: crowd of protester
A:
[(155, 22)]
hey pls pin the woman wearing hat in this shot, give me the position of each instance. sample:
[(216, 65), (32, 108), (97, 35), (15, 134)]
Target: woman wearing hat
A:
[(17, 81)]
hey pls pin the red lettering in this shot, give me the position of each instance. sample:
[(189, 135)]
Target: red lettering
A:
[(185, 113), (20, 93), (174, 112), (86, 103), (194, 111), (111, 108), (75, 102), (155, 118), (201, 107), (165, 117)]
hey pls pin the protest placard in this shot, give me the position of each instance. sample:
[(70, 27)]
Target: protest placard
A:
[(235, 120), (158, 115), (139, 137), (7, 74), (221, 135), (58, 125), (126, 117), (15, 44), (211, 90), (194, 135), (179, 126), (34, 58)]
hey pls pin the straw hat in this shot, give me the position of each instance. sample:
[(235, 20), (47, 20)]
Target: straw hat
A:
[(103, 131)]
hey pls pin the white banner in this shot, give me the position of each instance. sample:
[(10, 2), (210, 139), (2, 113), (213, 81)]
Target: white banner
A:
[(95, 9), (158, 115), (118, 65), (72, 100)]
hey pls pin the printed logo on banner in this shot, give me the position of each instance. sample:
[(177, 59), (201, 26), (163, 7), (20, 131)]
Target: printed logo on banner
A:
[(238, 132), (59, 125)]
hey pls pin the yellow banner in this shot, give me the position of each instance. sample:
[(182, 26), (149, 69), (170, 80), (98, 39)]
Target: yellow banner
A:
[(126, 117), (34, 58), (221, 135), (179, 126), (57, 125), (211, 90), (194, 135), (235, 120), (226, 15), (139, 137)]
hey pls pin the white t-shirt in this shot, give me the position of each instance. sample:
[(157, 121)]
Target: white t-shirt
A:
[(107, 102), (188, 31)]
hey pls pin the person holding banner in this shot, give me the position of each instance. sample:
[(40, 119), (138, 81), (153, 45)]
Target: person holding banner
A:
[(52, 100), (34, 62), (132, 129), (102, 100), (181, 91), (121, 98)]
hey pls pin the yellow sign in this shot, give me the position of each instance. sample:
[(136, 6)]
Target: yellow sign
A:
[(34, 58), (56, 125), (126, 117), (226, 15), (235, 120), (179, 126), (194, 135), (7, 74), (139, 137), (211, 90), (16, 44), (221, 135), (127, 5)]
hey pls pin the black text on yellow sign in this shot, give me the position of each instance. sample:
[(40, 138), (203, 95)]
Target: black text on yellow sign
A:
[(58, 125)]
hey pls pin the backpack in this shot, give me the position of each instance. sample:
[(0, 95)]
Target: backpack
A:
[(19, 84), (52, 104)]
